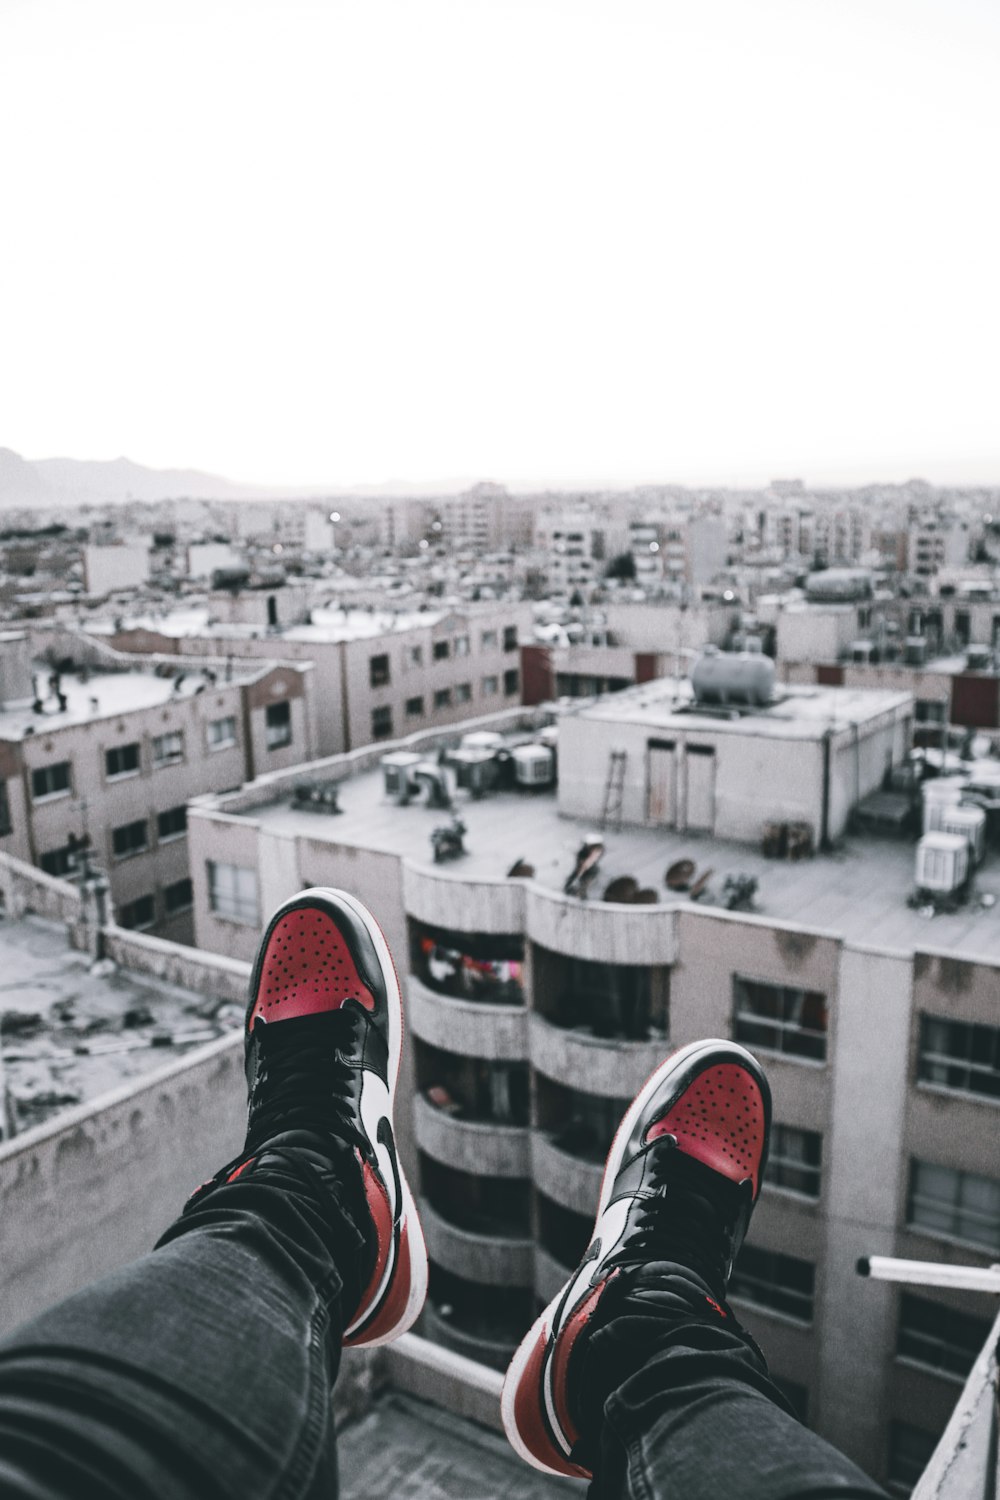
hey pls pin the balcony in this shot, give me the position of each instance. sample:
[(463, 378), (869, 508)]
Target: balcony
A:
[(476, 1028), (597, 1065), (471, 1145), (600, 931), (444, 900), (568, 1179), (493, 1260)]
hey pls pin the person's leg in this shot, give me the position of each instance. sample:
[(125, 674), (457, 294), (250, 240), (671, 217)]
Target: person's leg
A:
[(206, 1368), (637, 1374)]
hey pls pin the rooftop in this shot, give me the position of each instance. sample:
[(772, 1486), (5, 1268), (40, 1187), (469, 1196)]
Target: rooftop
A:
[(72, 1031), (859, 893), (404, 1447), (106, 695), (796, 713)]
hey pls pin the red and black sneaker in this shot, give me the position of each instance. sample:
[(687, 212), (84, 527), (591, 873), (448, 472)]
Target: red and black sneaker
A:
[(681, 1180), (324, 1030)]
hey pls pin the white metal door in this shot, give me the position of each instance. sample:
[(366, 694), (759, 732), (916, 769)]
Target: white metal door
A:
[(662, 800), (701, 788)]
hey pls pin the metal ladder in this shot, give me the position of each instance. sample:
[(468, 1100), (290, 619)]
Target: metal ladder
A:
[(614, 789)]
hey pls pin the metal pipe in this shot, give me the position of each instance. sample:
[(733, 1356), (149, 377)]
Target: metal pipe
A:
[(930, 1273)]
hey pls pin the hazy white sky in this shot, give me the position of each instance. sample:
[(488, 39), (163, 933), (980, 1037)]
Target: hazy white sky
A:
[(554, 240)]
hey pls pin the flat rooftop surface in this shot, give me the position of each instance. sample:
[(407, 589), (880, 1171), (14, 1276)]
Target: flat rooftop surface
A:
[(859, 893), (115, 693), (71, 1031), (407, 1450), (796, 713)]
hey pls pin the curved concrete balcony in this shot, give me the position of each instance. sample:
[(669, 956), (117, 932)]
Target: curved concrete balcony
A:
[(485, 1351), (550, 1274), (493, 1260), (473, 1028), (601, 931), (458, 904), (565, 1178), (486, 1149), (596, 1065)]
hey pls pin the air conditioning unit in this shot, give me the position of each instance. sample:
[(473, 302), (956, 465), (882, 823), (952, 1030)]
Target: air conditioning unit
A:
[(942, 862), (534, 765), (476, 771), (969, 823), (397, 777), (941, 796), (979, 658)]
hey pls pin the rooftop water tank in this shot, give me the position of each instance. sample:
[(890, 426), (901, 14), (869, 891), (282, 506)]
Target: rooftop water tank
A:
[(839, 585), (733, 677)]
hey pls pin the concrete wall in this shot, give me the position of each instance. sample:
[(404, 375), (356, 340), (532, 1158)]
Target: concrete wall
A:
[(95, 1188)]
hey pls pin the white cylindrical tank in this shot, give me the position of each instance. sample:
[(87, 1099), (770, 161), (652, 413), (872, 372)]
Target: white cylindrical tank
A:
[(940, 795), (733, 677), (942, 862)]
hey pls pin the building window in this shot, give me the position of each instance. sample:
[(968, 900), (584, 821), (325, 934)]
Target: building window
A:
[(463, 692), (780, 1018), (414, 708), (130, 838), (415, 656), (178, 897), (63, 861), (928, 711), (171, 824), (168, 749), (122, 760), (510, 638), (381, 723), (491, 686), (794, 1160), (278, 724), (378, 671), (221, 733), (960, 1205), (442, 698), (232, 892), (6, 826), (50, 781), (489, 640), (782, 1283), (137, 914), (910, 1451), (461, 645), (939, 1337), (960, 1055), (511, 682), (441, 651)]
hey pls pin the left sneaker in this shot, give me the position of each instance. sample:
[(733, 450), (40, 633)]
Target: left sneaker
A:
[(323, 1039)]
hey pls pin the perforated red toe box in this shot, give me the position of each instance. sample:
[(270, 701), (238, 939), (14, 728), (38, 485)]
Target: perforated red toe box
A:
[(719, 1119), (307, 968)]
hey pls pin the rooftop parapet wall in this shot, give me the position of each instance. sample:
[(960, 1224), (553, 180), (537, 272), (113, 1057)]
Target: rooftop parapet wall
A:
[(23, 888)]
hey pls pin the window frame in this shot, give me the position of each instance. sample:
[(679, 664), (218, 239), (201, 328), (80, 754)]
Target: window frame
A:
[(930, 1058), (214, 745), (278, 725), (120, 855), (777, 1281), (959, 1213), (781, 1025), (953, 1360), (176, 911), (511, 682), (777, 1162), (129, 771), (46, 771), (379, 670), (138, 901), (442, 698), (381, 725), (174, 835), (238, 909), (414, 708), (177, 758)]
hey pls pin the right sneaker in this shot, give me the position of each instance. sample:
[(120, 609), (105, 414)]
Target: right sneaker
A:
[(681, 1180)]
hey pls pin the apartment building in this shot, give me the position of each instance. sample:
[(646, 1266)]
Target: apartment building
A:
[(377, 674), (534, 1015), (102, 755)]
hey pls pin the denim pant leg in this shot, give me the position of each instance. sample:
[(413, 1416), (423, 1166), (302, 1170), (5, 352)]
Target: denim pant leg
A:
[(691, 1414), (203, 1371)]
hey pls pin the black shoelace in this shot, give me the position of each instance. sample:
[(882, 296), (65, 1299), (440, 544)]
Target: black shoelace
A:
[(688, 1215), (304, 1080)]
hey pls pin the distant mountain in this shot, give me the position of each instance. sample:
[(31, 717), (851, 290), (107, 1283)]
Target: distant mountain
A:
[(72, 481)]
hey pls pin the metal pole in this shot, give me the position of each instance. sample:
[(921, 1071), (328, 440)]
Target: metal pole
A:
[(929, 1273)]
